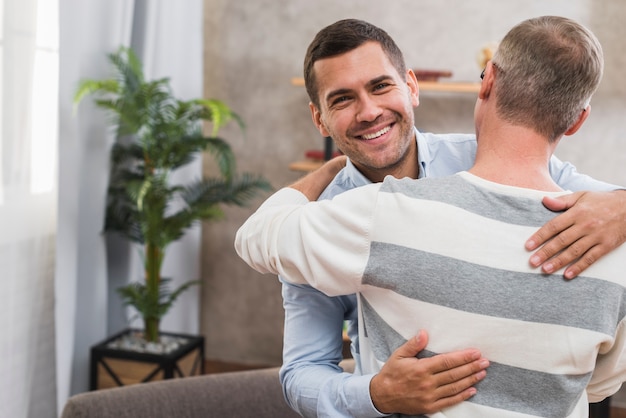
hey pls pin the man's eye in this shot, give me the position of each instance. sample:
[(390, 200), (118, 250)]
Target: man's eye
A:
[(340, 100), (381, 86)]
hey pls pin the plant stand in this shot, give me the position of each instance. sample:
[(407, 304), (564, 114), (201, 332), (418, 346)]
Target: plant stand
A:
[(112, 367)]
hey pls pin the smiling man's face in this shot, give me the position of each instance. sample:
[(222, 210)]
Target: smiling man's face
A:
[(367, 108)]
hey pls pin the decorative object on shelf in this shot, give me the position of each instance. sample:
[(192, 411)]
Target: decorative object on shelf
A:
[(126, 359), (157, 134), (430, 75), (485, 54)]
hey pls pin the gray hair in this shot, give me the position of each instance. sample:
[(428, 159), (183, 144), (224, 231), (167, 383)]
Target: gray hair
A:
[(547, 69)]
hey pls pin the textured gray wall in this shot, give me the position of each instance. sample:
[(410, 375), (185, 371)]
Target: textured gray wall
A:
[(252, 49)]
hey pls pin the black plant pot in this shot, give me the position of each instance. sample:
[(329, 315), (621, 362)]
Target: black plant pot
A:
[(113, 364)]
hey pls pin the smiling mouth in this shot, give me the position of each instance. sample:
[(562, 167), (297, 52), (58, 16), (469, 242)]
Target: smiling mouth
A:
[(376, 134)]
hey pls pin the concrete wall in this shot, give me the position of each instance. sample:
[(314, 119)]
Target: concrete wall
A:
[(252, 49)]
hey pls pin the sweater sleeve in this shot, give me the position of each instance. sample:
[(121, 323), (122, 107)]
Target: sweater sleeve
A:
[(610, 370), (325, 243)]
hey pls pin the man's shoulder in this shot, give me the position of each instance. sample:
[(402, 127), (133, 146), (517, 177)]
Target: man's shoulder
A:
[(448, 137), (348, 178), (340, 184), (410, 186), (453, 140), (445, 154)]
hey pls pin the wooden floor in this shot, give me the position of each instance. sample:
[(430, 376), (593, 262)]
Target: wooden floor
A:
[(618, 413)]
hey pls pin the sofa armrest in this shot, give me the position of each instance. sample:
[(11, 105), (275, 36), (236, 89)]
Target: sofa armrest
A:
[(255, 393)]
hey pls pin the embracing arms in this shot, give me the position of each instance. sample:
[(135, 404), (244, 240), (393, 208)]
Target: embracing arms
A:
[(593, 224), (583, 224), (315, 385)]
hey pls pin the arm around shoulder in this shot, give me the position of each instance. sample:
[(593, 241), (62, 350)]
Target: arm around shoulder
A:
[(255, 240), (593, 224)]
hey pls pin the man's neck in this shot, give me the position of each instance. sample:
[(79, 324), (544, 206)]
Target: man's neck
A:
[(515, 156)]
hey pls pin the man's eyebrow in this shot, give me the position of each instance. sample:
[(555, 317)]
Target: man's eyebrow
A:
[(337, 92), (380, 79), (372, 82)]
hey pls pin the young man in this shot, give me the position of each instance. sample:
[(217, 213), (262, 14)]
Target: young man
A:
[(363, 96)]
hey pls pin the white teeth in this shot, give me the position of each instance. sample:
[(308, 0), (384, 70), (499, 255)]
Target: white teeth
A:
[(377, 134)]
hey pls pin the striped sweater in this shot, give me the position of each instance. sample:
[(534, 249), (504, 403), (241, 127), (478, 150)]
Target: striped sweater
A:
[(447, 255)]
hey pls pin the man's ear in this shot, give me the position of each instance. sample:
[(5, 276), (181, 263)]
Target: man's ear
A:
[(579, 122), (316, 115), (487, 80), (414, 91)]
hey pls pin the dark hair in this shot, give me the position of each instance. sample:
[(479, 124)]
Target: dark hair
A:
[(344, 36), (547, 69)]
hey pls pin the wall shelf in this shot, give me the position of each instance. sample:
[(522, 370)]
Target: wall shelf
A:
[(440, 86), (449, 86), (306, 165)]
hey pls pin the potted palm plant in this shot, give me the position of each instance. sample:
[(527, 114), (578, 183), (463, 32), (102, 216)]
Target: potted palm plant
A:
[(157, 134)]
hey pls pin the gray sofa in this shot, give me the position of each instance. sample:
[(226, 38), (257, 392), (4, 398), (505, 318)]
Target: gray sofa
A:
[(255, 393), (245, 394)]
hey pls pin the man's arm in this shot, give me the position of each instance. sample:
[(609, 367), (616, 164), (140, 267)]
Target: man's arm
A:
[(256, 242), (610, 369), (593, 225), (412, 386), (285, 236), (313, 184), (315, 385)]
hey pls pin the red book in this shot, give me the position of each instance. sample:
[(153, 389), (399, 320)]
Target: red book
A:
[(316, 154), (430, 75)]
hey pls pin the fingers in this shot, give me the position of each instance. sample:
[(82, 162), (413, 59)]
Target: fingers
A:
[(458, 391), (456, 379), (453, 385), (410, 385), (582, 253), (450, 361), (558, 204), (412, 346), (555, 226), (590, 257), (591, 228), (554, 235), (463, 370), (452, 400), (564, 246)]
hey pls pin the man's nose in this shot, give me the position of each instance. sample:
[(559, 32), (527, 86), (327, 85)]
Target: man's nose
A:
[(369, 109)]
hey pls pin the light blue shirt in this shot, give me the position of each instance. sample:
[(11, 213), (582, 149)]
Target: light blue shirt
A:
[(313, 383)]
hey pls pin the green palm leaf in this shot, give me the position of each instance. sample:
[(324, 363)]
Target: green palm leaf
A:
[(158, 134)]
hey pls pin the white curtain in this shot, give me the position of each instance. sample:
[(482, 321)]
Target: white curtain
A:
[(88, 31), (168, 34), (28, 195), (53, 177)]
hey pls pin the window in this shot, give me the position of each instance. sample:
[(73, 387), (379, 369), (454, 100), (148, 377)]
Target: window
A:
[(29, 63), (44, 121)]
